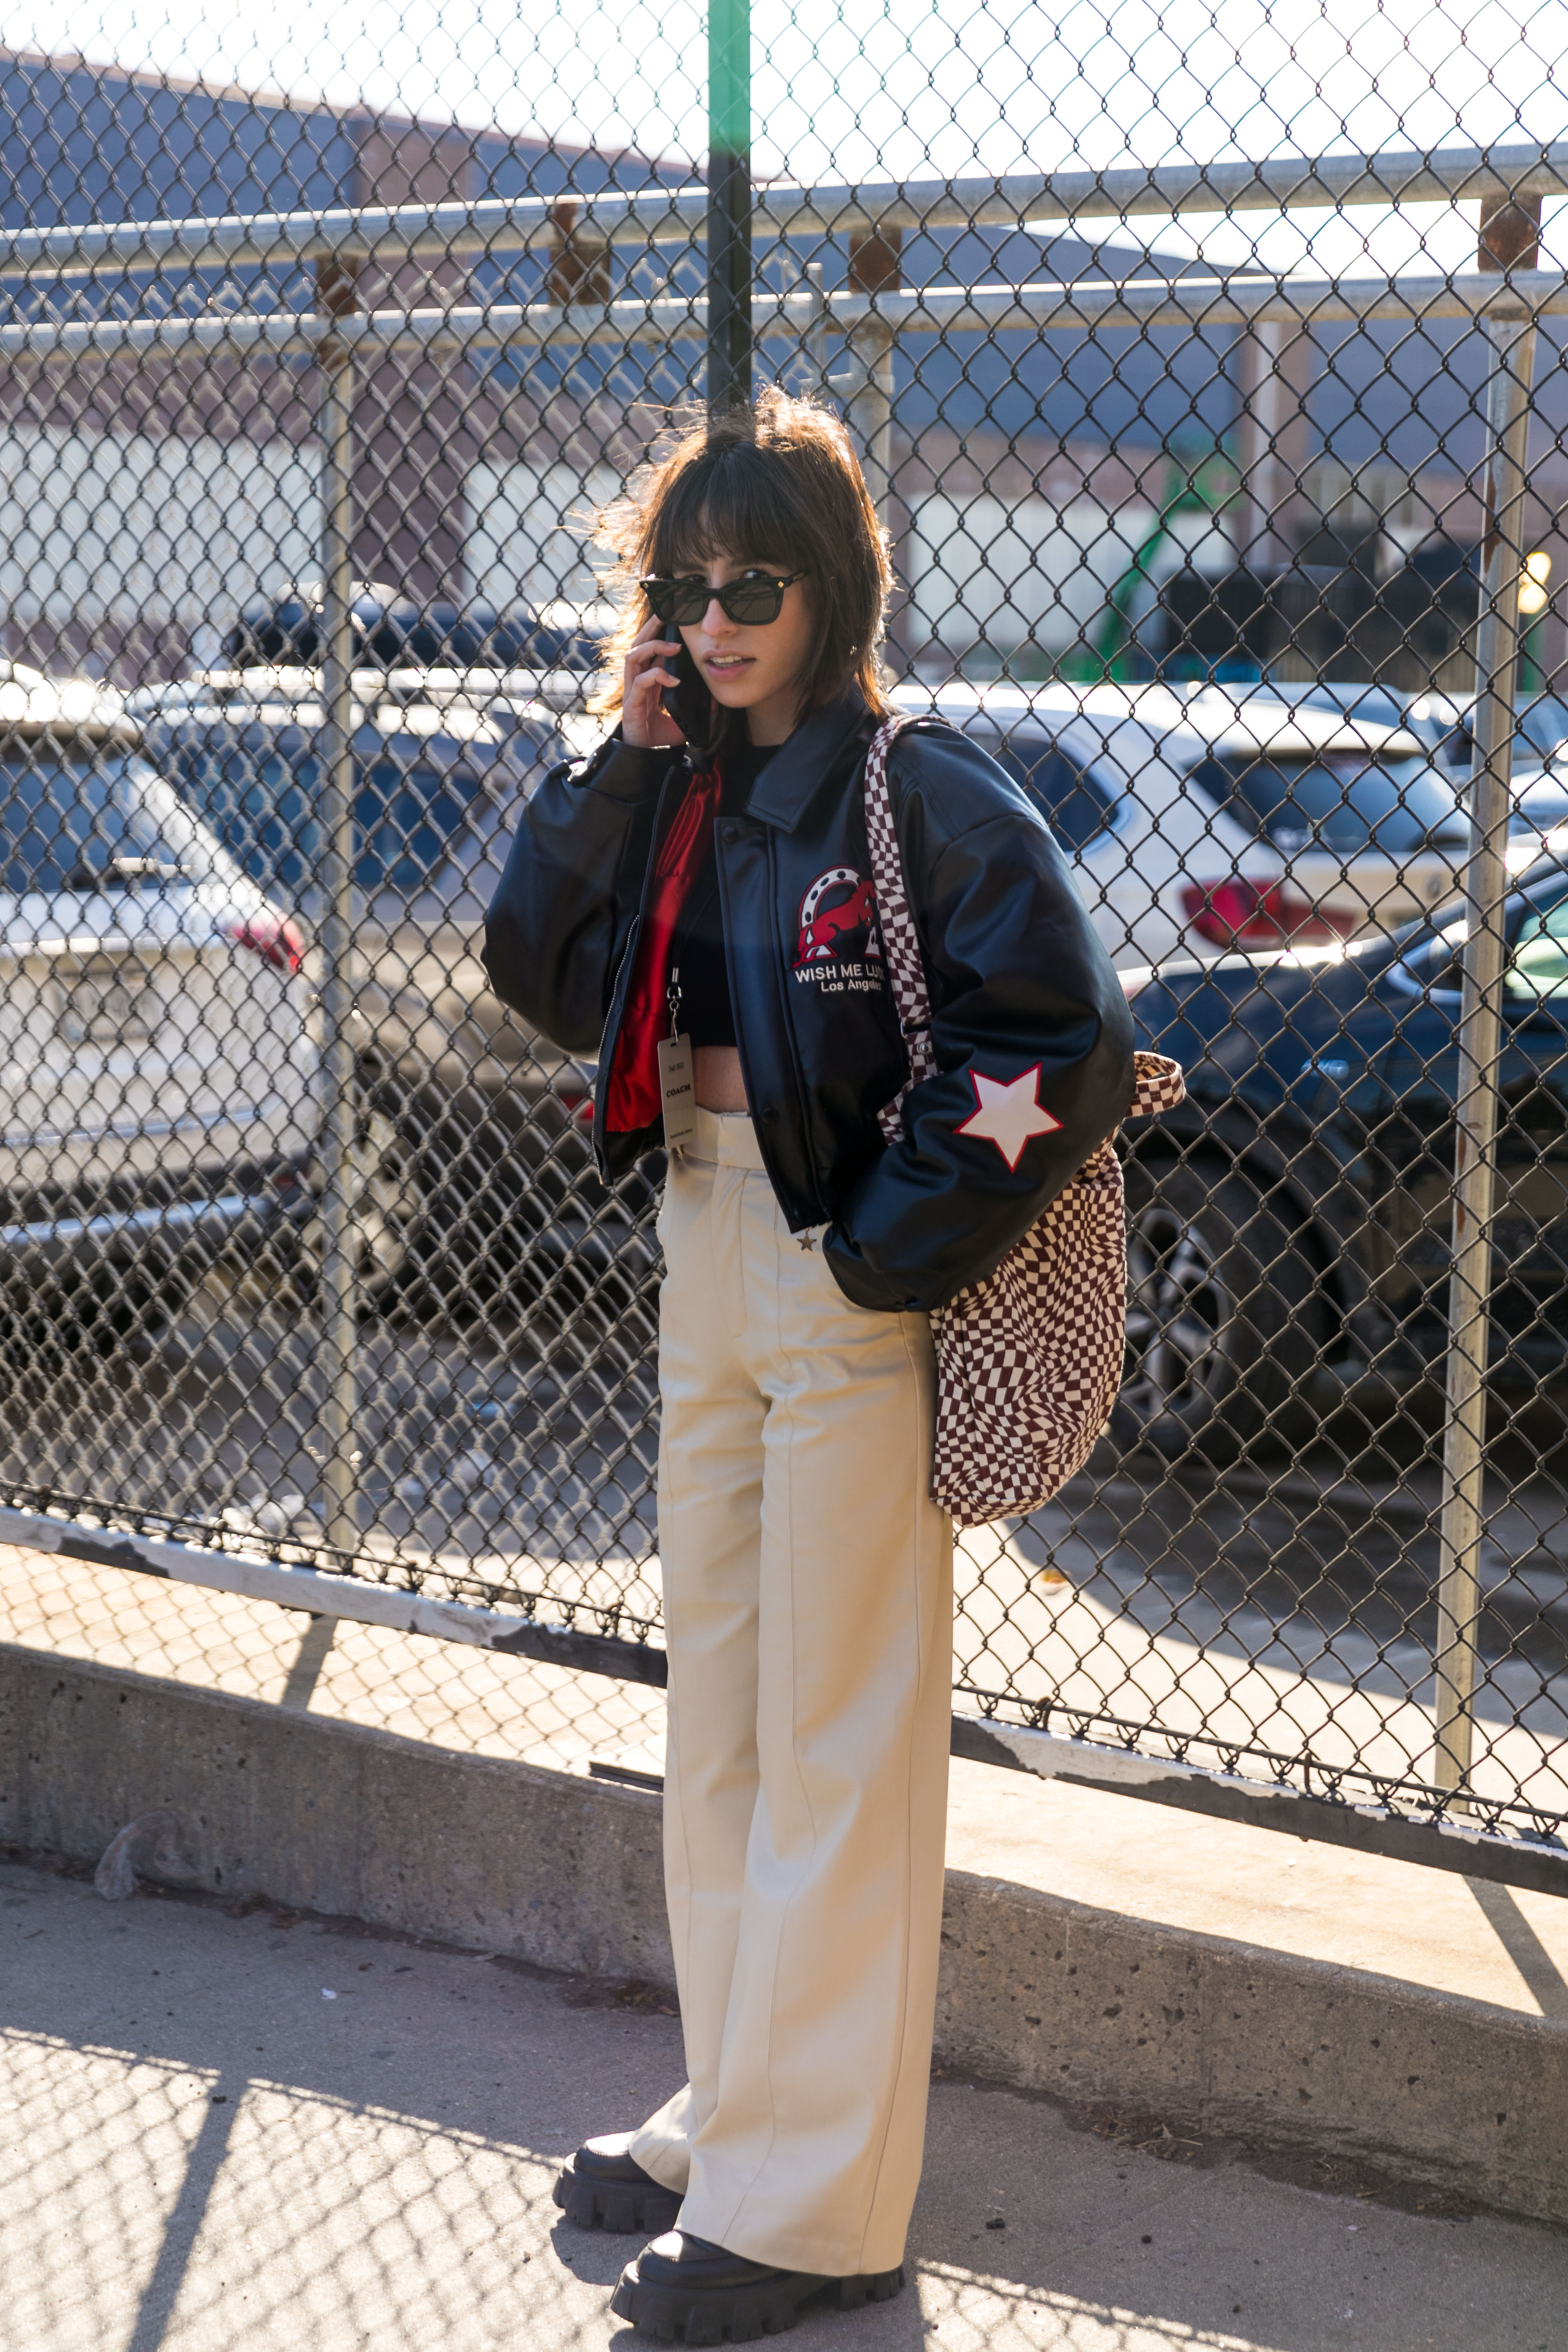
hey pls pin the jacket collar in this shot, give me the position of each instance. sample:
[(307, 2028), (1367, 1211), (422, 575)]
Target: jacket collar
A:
[(798, 768)]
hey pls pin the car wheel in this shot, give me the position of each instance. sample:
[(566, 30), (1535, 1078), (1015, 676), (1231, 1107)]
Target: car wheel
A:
[(389, 1195), (72, 1318), (497, 1185), (1225, 1320)]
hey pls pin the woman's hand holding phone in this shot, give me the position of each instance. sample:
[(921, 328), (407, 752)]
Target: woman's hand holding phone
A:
[(648, 675)]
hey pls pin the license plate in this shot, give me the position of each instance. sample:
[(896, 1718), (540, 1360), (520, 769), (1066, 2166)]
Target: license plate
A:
[(99, 1004)]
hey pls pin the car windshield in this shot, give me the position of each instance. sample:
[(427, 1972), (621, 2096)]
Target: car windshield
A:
[(264, 806), (1538, 946), (1371, 702), (1077, 805), (1544, 724), (1543, 802), (1343, 801), (1543, 736), (1537, 965), (1077, 801), (94, 819)]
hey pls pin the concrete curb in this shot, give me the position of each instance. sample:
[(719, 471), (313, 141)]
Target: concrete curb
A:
[(1036, 1991)]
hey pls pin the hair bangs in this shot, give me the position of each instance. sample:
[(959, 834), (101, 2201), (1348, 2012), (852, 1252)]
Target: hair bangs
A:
[(730, 504)]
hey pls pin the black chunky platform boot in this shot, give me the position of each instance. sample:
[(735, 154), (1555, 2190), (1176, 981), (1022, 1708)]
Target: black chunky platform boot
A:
[(682, 2289), (602, 2183)]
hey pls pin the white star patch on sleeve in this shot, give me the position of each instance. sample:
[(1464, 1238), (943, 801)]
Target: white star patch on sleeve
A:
[(1009, 1113)]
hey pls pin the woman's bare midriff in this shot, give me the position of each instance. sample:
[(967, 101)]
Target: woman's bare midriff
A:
[(718, 1080)]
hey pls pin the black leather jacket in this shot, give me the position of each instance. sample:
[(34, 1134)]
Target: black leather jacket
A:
[(1020, 986)]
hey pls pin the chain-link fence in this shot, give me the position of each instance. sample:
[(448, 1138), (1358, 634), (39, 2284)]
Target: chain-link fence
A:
[(1223, 502)]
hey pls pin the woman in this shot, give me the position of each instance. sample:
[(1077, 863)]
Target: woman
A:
[(716, 881)]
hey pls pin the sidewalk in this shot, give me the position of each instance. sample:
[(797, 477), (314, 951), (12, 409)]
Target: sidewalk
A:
[(207, 2153), (1425, 1928)]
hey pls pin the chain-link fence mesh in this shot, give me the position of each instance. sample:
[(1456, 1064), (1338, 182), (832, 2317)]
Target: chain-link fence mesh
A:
[(1212, 392)]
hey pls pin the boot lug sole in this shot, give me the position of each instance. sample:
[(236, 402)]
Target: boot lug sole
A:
[(743, 2314), (617, 2207)]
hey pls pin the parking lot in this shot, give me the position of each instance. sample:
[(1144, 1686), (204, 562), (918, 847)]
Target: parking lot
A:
[(1247, 1574)]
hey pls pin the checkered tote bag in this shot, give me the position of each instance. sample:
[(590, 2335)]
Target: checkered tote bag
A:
[(1029, 1360)]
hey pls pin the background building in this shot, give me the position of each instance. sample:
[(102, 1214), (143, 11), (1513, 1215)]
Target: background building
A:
[(1179, 495)]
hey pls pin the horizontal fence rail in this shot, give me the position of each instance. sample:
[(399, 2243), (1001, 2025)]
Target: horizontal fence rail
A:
[(1081, 307), (655, 216)]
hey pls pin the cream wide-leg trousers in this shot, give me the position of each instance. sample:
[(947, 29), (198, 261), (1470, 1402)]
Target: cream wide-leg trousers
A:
[(808, 1605)]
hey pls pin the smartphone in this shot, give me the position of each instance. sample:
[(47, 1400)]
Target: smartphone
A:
[(689, 704)]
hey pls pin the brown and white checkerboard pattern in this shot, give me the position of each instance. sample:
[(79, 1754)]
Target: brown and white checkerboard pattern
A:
[(1029, 1360)]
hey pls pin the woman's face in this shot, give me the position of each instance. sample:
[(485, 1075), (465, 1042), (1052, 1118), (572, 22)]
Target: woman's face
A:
[(758, 669)]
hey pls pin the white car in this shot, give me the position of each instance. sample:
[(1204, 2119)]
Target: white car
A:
[(443, 759), (163, 1073), (1217, 819)]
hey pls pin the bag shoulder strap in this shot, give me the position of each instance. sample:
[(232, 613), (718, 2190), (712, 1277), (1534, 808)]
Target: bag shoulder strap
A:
[(1158, 1084), (1158, 1081), (896, 922)]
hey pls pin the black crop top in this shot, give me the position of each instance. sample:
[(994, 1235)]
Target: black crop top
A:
[(706, 1015)]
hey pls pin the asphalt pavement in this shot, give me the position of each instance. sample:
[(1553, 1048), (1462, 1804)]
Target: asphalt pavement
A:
[(265, 2130)]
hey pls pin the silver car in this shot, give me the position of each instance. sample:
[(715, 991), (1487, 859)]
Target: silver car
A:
[(163, 1095), (492, 1116)]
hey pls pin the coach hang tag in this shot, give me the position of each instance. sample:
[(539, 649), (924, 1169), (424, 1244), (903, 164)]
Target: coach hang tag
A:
[(677, 1092)]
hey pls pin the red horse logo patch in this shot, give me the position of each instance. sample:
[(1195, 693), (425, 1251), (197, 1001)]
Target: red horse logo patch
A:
[(838, 919)]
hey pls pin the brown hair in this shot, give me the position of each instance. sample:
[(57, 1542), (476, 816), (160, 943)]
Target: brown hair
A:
[(777, 479)]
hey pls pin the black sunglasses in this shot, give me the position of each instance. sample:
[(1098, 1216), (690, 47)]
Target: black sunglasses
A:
[(748, 601)]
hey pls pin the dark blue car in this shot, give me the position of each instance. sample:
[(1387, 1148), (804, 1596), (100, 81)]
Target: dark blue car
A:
[(393, 631), (1297, 1211)]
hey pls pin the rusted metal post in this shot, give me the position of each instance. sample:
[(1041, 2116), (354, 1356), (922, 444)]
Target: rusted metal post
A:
[(579, 260), (876, 266), (813, 336), (1509, 234)]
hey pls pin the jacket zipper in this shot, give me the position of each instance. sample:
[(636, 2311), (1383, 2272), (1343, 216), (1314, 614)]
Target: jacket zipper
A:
[(781, 983)]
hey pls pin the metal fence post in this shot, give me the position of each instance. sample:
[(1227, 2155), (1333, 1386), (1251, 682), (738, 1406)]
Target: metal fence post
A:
[(340, 1239), (876, 266), (1509, 234), (728, 203)]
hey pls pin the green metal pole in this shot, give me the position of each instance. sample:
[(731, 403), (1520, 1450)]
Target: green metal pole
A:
[(728, 203)]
